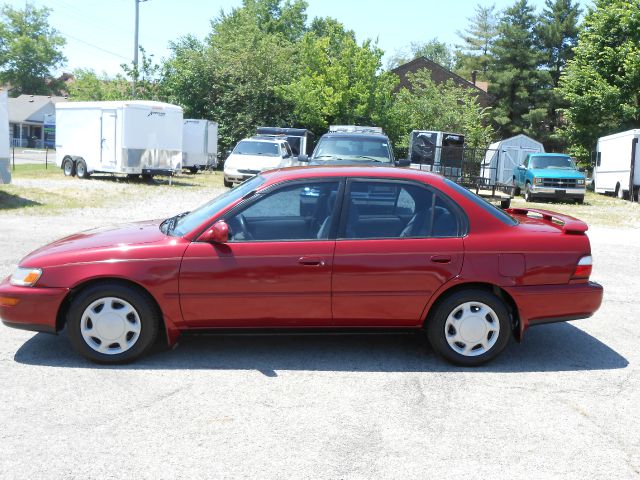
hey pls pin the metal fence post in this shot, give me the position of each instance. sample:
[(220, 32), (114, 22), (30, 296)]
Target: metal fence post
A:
[(46, 158), (13, 155)]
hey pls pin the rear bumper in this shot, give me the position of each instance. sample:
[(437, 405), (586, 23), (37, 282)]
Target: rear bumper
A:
[(542, 304), (36, 309)]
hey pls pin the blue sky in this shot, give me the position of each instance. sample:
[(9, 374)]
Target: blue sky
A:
[(99, 34)]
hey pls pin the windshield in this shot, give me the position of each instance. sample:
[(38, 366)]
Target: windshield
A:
[(353, 148), (552, 162), (248, 147), (190, 221)]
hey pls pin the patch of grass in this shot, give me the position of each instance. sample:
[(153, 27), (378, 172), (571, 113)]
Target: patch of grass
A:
[(37, 191)]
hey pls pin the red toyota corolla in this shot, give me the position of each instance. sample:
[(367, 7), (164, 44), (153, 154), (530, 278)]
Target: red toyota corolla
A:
[(313, 248)]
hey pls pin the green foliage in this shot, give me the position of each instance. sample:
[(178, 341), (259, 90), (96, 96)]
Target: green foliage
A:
[(89, 86), (478, 37), (338, 80), (602, 82), (444, 107), (29, 49), (434, 50), (515, 80), (144, 77)]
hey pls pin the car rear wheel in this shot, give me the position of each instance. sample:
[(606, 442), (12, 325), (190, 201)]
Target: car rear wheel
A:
[(528, 197), (112, 323), (228, 184), (470, 327)]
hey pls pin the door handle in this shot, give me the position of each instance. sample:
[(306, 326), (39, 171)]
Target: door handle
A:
[(311, 261), (441, 258)]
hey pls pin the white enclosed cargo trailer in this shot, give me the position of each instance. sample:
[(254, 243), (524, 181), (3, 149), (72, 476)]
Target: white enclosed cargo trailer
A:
[(5, 170), (199, 144), (617, 168), (503, 157), (131, 137)]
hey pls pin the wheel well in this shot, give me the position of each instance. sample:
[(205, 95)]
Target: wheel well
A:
[(61, 318), (499, 292)]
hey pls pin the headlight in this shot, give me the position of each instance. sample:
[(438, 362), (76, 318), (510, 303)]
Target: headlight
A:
[(25, 277), (537, 181), (580, 181)]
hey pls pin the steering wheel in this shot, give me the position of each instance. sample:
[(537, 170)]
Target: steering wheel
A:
[(242, 223)]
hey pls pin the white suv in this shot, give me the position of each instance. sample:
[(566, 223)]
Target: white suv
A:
[(254, 155)]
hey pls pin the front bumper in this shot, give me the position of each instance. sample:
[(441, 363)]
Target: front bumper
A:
[(37, 308), (540, 304), (553, 192)]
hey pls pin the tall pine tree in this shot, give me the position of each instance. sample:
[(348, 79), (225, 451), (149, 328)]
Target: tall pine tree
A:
[(515, 80), (478, 37), (556, 36)]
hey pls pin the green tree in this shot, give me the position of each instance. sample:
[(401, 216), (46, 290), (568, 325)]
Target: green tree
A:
[(434, 50), (87, 85), (602, 82), (338, 81), (187, 77), (444, 107), (29, 50), (478, 38), (144, 77), (515, 79), (556, 37)]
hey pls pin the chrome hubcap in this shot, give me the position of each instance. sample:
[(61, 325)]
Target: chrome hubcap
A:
[(110, 325), (472, 328)]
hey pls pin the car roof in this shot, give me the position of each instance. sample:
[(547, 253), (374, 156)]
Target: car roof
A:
[(544, 154), (380, 136), (268, 140), (321, 171)]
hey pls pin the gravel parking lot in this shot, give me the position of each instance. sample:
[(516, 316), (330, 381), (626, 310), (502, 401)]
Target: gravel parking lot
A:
[(565, 403)]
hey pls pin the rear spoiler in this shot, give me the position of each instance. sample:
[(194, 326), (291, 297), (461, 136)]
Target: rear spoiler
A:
[(569, 224)]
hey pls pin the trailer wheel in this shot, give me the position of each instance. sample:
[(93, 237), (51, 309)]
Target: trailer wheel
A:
[(516, 188), (147, 177), (68, 167), (81, 169), (193, 170), (505, 203)]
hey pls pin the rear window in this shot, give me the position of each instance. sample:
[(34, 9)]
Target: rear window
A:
[(482, 203)]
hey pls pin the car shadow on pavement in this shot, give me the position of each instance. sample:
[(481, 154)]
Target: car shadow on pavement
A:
[(557, 347)]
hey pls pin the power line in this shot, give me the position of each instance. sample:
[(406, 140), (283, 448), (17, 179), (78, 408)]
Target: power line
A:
[(95, 46)]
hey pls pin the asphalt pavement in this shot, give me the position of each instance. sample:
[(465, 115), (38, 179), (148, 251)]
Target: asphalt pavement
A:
[(563, 404)]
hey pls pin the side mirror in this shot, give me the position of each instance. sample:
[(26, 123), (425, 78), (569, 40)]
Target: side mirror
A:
[(218, 233), (520, 167), (303, 158), (403, 162)]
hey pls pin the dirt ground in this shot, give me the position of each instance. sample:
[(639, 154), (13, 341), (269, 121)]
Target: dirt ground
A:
[(563, 404)]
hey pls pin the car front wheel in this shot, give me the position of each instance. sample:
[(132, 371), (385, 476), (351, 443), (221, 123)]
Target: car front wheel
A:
[(470, 327), (528, 197), (112, 323)]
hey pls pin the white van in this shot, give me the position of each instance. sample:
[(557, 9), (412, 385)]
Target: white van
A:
[(617, 168)]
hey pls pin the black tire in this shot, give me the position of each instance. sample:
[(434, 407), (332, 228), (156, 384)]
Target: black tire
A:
[(516, 189), (580, 200), (437, 324), (141, 302), (147, 177), (228, 184), (193, 170), (528, 196), (133, 176), (505, 203), (81, 169), (68, 167)]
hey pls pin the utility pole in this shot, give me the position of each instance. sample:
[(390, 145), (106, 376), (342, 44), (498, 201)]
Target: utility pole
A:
[(135, 47)]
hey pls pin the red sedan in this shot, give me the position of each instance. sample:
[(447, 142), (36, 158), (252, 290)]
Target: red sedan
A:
[(313, 248)]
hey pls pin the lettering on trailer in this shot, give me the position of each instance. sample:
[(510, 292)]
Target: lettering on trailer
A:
[(159, 114)]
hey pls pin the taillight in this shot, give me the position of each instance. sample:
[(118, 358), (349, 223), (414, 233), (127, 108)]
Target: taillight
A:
[(583, 269)]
